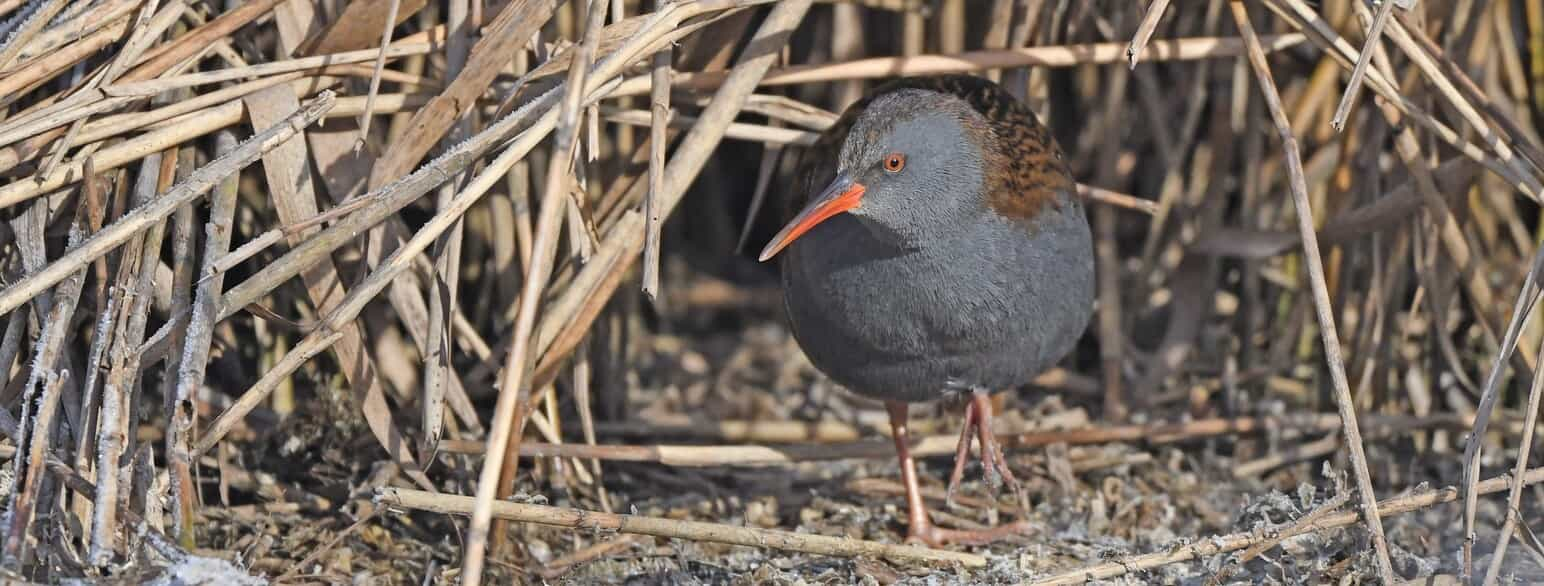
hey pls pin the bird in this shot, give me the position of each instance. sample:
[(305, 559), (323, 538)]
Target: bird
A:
[(939, 251)]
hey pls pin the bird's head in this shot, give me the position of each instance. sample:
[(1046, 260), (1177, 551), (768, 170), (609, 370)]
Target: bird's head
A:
[(911, 168)]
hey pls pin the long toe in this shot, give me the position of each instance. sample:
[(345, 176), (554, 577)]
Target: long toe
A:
[(997, 466), (961, 456), (994, 467), (936, 537)]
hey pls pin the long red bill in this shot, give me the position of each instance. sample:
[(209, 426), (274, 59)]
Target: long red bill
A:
[(842, 195)]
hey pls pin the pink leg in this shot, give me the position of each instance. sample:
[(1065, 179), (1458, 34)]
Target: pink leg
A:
[(920, 527)]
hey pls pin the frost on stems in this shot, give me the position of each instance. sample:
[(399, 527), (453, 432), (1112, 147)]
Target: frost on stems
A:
[(17, 23)]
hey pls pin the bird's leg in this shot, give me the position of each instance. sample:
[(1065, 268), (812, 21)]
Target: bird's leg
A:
[(978, 423), (962, 454), (919, 527), (916, 511)]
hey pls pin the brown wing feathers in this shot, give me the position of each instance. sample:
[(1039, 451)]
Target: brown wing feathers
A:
[(1026, 172)]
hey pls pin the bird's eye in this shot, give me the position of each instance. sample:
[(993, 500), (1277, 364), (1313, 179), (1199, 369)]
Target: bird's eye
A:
[(894, 162)]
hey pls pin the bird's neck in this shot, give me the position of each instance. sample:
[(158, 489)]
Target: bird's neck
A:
[(870, 238), (933, 227)]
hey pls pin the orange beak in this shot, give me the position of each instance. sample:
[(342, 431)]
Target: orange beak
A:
[(843, 194)]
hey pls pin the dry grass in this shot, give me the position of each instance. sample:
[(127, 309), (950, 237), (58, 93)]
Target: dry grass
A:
[(292, 286)]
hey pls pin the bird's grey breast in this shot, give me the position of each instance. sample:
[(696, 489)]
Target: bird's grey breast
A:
[(992, 305)]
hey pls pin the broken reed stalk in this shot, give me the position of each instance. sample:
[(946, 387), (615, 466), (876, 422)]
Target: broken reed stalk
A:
[(22, 81), (1322, 305), (116, 438), (31, 129), (514, 382), (441, 384), (155, 86), (375, 75), (974, 61), (1514, 499), (690, 156), (164, 57), (1321, 33), (1522, 312), (25, 495), (1354, 85), (1119, 200), (1447, 88), (176, 329), (659, 117), (200, 182), (175, 131), (198, 341), (1145, 30), (498, 474), (389, 198), (1294, 527), (671, 528), (43, 390), (514, 25)]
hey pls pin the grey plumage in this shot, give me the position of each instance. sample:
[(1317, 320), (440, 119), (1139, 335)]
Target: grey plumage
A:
[(928, 285)]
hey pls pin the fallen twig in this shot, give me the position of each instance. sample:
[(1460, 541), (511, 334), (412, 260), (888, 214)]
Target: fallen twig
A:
[(692, 530), (1236, 541)]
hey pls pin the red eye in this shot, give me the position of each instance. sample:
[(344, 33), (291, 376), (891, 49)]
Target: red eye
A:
[(894, 162)]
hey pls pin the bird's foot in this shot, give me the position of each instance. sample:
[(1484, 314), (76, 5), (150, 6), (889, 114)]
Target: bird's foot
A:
[(920, 527), (995, 470), (934, 536)]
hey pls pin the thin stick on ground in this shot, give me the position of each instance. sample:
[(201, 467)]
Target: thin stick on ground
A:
[(556, 568), (1234, 542), (1275, 537), (692, 530), (1152, 434), (1322, 306), (341, 535)]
